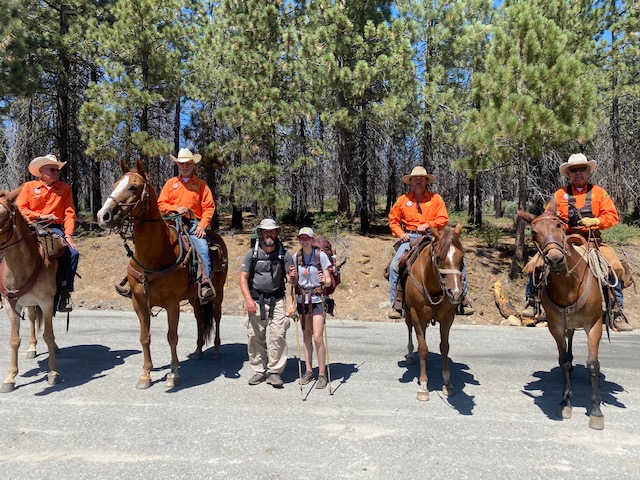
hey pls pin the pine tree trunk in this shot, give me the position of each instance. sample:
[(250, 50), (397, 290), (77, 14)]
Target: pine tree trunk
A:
[(478, 210), (518, 251), (497, 195)]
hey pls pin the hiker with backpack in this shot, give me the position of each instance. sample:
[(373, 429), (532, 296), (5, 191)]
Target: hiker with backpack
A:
[(263, 274), (311, 275)]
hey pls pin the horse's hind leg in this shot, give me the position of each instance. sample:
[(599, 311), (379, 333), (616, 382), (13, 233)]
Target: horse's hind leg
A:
[(217, 315), (409, 360), (596, 418), (10, 382), (49, 338), (445, 328), (33, 340), (173, 316)]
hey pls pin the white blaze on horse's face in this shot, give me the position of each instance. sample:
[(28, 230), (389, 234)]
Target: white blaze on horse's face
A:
[(453, 282), (106, 217)]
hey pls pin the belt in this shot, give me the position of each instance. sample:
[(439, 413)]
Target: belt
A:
[(411, 231)]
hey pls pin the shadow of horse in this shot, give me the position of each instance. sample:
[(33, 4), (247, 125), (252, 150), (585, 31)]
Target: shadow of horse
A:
[(544, 390), (201, 371), (461, 401), (86, 363)]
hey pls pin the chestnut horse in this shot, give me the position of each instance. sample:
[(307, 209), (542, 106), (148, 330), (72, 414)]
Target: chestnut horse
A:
[(158, 271), (27, 280), (572, 298), (433, 289)]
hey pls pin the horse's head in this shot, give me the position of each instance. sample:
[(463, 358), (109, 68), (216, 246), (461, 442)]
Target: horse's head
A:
[(549, 236), (447, 255), (7, 213), (129, 198)]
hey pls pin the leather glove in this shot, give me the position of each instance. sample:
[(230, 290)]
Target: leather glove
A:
[(589, 222)]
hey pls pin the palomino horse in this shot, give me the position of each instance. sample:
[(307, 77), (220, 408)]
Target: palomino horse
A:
[(27, 280), (572, 298), (159, 269), (433, 290)]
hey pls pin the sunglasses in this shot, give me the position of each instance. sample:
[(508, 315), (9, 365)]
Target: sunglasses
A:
[(50, 169), (577, 169)]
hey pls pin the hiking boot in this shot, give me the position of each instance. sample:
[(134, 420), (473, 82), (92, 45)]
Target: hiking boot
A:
[(257, 378), (620, 324), (275, 380), (207, 294), (306, 378), (395, 314), (64, 304), (528, 312), (322, 382), (123, 288)]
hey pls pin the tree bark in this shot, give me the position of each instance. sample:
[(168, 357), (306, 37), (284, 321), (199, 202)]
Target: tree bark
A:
[(518, 251)]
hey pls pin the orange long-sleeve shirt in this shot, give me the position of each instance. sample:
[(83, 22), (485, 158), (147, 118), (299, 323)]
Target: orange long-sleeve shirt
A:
[(194, 194), (405, 210), (601, 205), (36, 199)]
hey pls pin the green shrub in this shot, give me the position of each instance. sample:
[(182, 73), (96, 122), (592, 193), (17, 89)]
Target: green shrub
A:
[(621, 235)]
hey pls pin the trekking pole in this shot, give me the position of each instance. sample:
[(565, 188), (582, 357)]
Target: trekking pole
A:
[(326, 341), (296, 318)]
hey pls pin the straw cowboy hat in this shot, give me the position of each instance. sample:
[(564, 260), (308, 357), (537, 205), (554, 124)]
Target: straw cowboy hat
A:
[(185, 155), (576, 160), (419, 172), (36, 163)]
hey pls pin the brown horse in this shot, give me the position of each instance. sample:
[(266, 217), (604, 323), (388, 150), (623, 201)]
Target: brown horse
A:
[(159, 269), (27, 280), (572, 298), (433, 290)]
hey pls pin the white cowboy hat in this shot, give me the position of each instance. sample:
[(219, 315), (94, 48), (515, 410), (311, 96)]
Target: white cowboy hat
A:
[(36, 163), (575, 160), (268, 224), (419, 172), (184, 155), (308, 231)]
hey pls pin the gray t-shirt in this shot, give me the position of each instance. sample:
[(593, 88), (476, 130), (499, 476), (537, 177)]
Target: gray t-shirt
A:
[(308, 271), (268, 276)]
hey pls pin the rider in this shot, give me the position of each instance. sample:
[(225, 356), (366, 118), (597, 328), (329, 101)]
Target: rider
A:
[(191, 197), (414, 214), (588, 210), (50, 200)]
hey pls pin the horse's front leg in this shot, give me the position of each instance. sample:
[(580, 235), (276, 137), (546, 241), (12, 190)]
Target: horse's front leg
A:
[(144, 381), (596, 418), (423, 353), (445, 328), (33, 340), (49, 337), (173, 317), (409, 360), (564, 409), (14, 317)]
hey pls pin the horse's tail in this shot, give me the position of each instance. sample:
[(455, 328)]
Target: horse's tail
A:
[(207, 322)]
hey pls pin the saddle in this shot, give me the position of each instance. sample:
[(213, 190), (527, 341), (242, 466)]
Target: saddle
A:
[(416, 245), (51, 244)]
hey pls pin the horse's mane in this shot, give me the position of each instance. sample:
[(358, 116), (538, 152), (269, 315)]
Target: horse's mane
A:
[(447, 239)]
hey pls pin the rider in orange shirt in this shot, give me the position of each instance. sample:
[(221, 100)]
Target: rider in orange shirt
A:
[(49, 200), (414, 214)]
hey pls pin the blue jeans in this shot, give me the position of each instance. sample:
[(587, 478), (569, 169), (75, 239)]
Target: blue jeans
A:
[(617, 290), (394, 270), (70, 259), (201, 244)]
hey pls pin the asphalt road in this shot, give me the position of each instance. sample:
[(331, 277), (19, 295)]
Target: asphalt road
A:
[(500, 424)]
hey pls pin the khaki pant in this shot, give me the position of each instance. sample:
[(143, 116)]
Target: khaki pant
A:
[(268, 357)]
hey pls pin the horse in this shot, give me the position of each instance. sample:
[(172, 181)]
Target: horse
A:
[(572, 298), (158, 271), (433, 290), (27, 280)]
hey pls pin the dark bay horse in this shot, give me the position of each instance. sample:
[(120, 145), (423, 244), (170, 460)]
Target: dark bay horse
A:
[(27, 280), (433, 290), (572, 298), (158, 271)]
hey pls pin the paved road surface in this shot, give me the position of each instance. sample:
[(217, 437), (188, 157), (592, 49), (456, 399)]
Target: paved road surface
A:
[(500, 424)]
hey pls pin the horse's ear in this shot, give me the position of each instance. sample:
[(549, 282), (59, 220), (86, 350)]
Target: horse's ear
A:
[(437, 234), (458, 229), (123, 167), (528, 217), (140, 168), (553, 206), (14, 194)]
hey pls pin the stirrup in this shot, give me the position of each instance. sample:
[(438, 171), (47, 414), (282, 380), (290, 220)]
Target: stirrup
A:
[(123, 288)]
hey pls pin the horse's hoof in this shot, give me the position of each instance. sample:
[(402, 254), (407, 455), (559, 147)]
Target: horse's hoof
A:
[(197, 355), (143, 384), (7, 387), (216, 356), (31, 354), (447, 390), (564, 412), (597, 423), (423, 395), (53, 379), (409, 360), (172, 381)]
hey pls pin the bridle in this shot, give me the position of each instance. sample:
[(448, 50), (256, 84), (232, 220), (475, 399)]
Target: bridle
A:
[(550, 244), (9, 227), (441, 273), (141, 204)]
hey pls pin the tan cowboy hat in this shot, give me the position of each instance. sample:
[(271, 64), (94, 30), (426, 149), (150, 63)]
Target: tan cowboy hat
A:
[(419, 172), (184, 155), (36, 163), (575, 160)]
